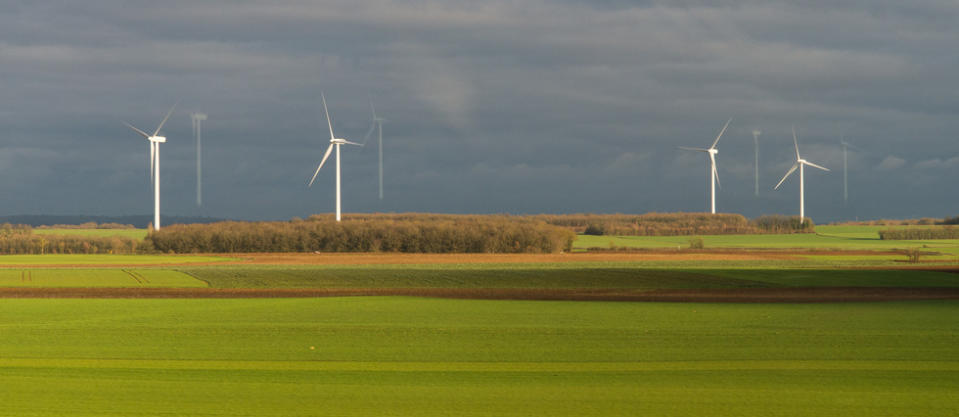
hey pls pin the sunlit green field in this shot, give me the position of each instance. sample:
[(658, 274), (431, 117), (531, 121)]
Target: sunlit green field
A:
[(130, 233), (53, 278), (617, 276), (826, 237), (26, 260), (430, 357)]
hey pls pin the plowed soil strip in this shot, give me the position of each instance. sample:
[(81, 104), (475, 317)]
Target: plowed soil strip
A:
[(750, 295)]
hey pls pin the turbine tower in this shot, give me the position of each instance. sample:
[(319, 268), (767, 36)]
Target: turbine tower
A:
[(198, 119), (155, 140), (376, 123), (756, 133), (713, 174), (800, 163), (845, 177), (334, 141)]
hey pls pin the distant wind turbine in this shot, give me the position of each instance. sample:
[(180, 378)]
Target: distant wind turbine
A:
[(198, 119), (376, 123), (800, 163), (713, 174), (845, 177), (334, 141), (155, 140), (756, 133)]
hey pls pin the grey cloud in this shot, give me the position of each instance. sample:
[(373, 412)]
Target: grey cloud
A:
[(494, 106)]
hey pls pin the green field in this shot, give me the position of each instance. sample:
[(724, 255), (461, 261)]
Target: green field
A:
[(129, 233), (26, 260), (826, 237), (410, 356), (53, 278), (613, 275), (587, 275)]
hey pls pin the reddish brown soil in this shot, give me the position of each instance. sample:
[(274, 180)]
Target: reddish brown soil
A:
[(751, 295)]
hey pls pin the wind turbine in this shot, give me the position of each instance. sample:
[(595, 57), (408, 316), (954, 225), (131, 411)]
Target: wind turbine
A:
[(376, 123), (198, 119), (845, 178), (800, 163), (713, 175), (756, 133), (334, 141), (155, 140)]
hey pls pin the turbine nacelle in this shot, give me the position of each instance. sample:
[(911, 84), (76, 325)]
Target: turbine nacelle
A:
[(157, 139), (713, 174)]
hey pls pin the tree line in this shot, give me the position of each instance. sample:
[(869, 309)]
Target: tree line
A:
[(947, 232), (410, 233), (677, 224)]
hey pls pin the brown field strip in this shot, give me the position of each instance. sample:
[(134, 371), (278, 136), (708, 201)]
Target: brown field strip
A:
[(750, 295)]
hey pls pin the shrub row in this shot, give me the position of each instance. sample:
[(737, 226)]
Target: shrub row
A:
[(29, 244), (676, 224), (947, 232), (369, 233)]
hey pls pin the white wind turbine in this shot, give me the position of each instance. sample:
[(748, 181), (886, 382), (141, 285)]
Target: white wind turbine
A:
[(334, 141), (800, 163), (756, 133), (377, 123), (714, 175), (198, 119), (155, 140), (845, 178)]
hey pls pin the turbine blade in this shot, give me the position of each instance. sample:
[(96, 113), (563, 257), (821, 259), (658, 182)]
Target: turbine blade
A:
[(352, 143), (693, 149), (328, 122), (372, 109), (142, 133), (712, 158), (366, 137), (816, 166), (796, 142), (153, 157), (323, 161), (721, 133), (791, 170), (165, 118)]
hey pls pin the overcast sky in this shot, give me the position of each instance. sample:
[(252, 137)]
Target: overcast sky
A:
[(492, 106)]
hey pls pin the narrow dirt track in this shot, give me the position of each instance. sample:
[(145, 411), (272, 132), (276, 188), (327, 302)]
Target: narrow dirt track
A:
[(752, 295)]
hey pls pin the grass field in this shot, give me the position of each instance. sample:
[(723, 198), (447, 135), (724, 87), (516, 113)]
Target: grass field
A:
[(54, 278), (130, 233), (826, 237), (410, 356), (71, 260), (633, 276)]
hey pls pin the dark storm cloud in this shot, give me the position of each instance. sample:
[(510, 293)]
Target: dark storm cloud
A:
[(562, 106)]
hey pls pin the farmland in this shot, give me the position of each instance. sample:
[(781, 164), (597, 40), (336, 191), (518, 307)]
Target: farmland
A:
[(274, 334), (415, 356), (826, 237)]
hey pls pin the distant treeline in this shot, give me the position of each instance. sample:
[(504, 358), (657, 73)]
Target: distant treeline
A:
[(414, 233), (924, 233), (925, 221), (676, 224), (18, 239)]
